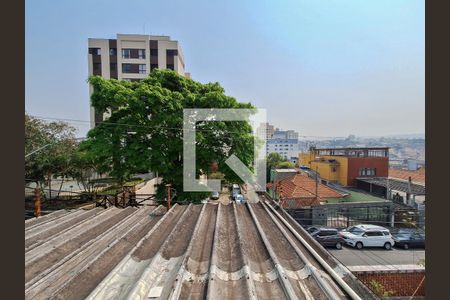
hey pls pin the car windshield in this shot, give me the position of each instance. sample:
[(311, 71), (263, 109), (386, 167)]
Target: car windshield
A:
[(355, 230), (313, 229)]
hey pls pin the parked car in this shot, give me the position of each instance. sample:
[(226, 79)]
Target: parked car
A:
[(312, 229), (409, 239), (366, 235), (328, 237), (235, 190), (239, 198), (214, 196)]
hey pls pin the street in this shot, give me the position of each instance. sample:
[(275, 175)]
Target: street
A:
[(374, 256)]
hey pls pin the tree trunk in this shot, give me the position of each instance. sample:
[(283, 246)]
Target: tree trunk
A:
[(50, 186), (60, 187)]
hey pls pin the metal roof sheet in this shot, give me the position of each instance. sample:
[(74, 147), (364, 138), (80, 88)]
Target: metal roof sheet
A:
[(210, 251), (395, 184)]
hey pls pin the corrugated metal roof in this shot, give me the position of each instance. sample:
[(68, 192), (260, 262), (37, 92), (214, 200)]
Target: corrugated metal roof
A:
[(395, 184), (190, 252)]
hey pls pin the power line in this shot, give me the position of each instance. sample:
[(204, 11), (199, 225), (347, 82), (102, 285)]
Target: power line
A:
[(159, 127)]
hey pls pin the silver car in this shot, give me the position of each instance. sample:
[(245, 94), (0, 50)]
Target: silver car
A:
[(214, 196)]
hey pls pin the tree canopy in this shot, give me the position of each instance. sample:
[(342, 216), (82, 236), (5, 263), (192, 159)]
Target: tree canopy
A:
[(144, 130), (56, 144), (276, 161)]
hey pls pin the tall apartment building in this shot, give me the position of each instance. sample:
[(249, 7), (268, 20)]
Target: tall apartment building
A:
[(265, 130), (284, 143), (132, 57)]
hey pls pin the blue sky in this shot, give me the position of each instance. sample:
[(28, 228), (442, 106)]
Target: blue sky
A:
[(323, 68)]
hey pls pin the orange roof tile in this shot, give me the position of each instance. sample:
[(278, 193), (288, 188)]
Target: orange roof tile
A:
[(416, 176), (303, 187)]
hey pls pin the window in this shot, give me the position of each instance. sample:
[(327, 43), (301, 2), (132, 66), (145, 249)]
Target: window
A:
[(113, 67), (141, 53), (170, 66), (126, 68), (327, 233), (367, 172), (142, 69), (126, 53), (97, 69), (153, 66), (355, 230), (374, 233), (113, 51), (153, 52), (95, 51), (97, 66), (172, 52)]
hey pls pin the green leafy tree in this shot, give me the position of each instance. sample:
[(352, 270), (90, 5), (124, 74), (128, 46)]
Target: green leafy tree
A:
[(58, 143), (285, 165), (276, 161), (84, 170), (144, 129)]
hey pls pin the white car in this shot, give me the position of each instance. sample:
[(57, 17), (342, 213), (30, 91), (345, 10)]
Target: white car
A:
[(365, 235), (239, 199)]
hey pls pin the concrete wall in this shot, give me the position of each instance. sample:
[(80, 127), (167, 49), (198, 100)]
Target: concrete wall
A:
[(325, 169), (355, 163)]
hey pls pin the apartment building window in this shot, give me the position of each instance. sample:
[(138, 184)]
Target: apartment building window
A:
[(172, 52), (113, 51), (126, 68), (126, 53), (95, 51), (153, 52), (153, 66), (170, 66), (113, 67), (97, 69), (142, 69), (141, 53)]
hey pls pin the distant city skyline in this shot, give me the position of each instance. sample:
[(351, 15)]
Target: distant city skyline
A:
[(321, 68)]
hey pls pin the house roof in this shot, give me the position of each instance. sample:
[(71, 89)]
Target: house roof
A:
[(191, 251), (302, 186), (416, 176), (395, 184)]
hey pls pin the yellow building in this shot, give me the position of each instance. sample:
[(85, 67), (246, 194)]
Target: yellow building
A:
[(346, 165), (330, 168)]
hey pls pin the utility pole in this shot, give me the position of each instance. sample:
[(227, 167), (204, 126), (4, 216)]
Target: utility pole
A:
[(37, 202), (168, 195), (387, 188), (317, 181)]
